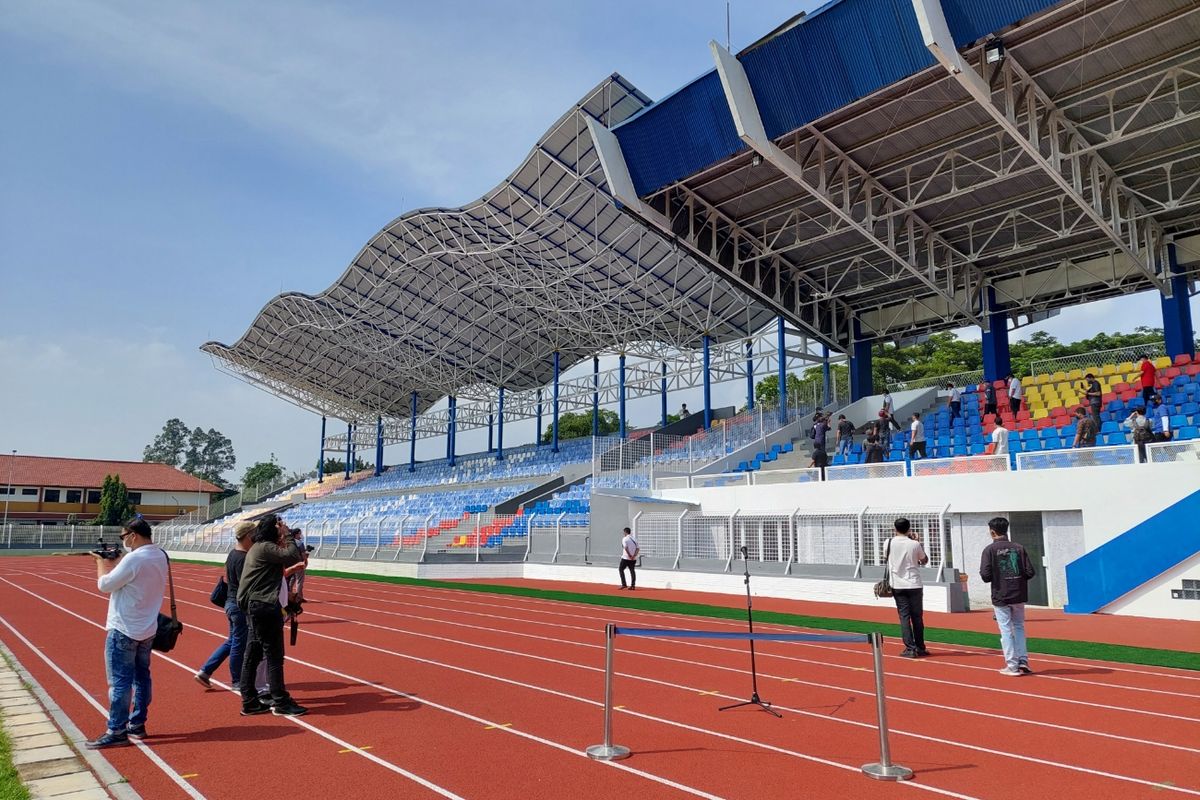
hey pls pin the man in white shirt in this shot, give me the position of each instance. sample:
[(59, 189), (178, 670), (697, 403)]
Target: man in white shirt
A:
[(904, 558), (954, 401), (1000, 439), (135, 583), (1015, 393), (629, 556), (916, 446)]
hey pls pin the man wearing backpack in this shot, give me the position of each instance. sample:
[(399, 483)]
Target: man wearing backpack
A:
[(1006, 566)]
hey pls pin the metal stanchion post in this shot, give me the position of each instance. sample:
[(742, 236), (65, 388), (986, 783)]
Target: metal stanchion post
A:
[(608, 751), (884, 770)]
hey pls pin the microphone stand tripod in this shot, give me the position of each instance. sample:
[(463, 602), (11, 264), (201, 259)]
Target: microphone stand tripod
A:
[(754, 700)]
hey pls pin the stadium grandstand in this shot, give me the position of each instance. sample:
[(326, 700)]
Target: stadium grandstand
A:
[(871, 172)]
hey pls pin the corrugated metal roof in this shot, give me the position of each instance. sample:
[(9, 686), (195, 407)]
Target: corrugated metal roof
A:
[(87, 473)]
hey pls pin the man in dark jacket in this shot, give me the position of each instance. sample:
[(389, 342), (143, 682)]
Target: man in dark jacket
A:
[(275, 548), (1006, 566)]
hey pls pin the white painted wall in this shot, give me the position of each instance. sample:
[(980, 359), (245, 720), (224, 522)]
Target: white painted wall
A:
[(1153, 599)]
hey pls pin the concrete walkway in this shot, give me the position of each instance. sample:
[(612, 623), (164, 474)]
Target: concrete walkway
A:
[(43, 754)]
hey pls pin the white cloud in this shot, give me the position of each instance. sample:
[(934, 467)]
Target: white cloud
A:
[(373, 88)]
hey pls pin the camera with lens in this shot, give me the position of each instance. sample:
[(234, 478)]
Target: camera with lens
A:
[(109, 552)]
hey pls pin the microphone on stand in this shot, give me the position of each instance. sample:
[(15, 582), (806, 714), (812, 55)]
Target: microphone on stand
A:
[(744, 552)]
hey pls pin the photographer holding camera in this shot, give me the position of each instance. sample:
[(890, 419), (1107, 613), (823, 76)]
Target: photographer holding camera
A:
[(135, 582), (275, 548)]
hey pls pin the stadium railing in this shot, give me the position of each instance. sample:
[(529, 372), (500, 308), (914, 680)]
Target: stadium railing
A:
[(969, 378), (1097, 359)]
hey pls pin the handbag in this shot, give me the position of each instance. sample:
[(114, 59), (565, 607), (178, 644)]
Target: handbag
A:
[(884, 587), (170, 627), (220, 593)]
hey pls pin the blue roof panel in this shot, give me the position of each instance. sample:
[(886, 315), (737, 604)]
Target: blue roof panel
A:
[(835, 56)]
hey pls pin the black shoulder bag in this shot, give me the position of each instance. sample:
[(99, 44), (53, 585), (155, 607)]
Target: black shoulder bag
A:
[(170, 627), (884, 587)]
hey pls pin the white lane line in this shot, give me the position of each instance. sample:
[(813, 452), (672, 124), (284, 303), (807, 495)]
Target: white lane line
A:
[(302, 723), (902, 675), (423, 700), (393, 590), (157, 760), (556, 693), (676, 685)]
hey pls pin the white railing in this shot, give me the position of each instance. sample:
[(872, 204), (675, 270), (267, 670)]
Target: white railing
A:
[(1079, 457), (962, 465), (227, 505), (854, 538), (1098, 358), (854, 472), (721, 479), (1173, 452), (775, 476)]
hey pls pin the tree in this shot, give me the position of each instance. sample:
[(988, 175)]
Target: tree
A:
[(169, 446), (115, 507), (204, 454), (261, 473), (573, 425), (766, 391), (334, 465)]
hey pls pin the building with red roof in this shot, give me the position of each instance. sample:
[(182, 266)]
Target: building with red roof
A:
[(47, 490)]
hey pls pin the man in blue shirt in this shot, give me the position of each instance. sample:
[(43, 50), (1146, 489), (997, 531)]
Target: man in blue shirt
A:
[(1160, 420)]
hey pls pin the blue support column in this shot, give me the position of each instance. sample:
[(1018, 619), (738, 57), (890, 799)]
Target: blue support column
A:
[(621, 394), (595, 395), (826, 377), (538, 441), (491, 432), (379, 445), (707, 384), (861, 382), (996, 361), (663, 393), (1178, 332), (349, 451), (412, 435), (452, 431), (321, 460), (554, 409), (781, 346), (500, 425)]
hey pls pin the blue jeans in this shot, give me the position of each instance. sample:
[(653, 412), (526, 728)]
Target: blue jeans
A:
[(233, 648), (127, 666), (844, 445), (1011, 620)]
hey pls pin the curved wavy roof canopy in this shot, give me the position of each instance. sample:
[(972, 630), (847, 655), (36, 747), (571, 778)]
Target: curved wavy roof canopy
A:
[(446, 299)]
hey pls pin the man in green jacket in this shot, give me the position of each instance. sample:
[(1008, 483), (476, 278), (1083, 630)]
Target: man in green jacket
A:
[(275, 548)]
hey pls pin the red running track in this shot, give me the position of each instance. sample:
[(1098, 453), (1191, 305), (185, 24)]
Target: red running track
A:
[(422, 692)]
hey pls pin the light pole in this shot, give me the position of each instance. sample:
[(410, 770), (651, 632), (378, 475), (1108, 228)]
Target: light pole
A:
[(12, 462)]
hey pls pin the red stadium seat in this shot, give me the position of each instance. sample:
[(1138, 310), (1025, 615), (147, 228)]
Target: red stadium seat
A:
[(1183, 359)]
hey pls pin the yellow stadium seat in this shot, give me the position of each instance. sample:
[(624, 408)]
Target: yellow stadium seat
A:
[(1059, 377), (1162, 362), (1074, 374), (1126, 367), (1108, 369)]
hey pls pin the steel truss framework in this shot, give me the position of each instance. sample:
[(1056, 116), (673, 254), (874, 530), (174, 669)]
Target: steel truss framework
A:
[(1055, 176), (446, 302)]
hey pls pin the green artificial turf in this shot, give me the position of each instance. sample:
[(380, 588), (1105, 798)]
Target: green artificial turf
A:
[(1099, 651), (11, 787)]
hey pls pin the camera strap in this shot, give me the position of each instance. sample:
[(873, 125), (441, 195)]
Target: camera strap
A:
[(171, 584)]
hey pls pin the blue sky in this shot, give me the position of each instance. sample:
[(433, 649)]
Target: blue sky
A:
[(169, 167)]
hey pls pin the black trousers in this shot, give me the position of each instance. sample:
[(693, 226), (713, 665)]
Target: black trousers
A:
[(265, 628), (631, 565), (1014, 403), (916, 449), (910, 606), (989, 408), (1147, 395), (955, 410)]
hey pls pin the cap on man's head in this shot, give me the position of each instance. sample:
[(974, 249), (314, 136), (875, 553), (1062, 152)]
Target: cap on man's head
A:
[(243, 529)]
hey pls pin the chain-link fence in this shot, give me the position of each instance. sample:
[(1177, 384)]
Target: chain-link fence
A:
[(1098, 358), (960, 379), (825, 538), (963, 465)]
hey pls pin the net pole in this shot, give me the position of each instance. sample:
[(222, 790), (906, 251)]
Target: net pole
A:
[(608, 751), (884, 769)]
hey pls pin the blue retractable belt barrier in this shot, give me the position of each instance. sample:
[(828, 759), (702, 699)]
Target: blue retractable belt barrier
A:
[(768, 637)]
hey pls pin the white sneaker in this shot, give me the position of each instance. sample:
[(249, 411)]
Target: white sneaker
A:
[(1011, 671)]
